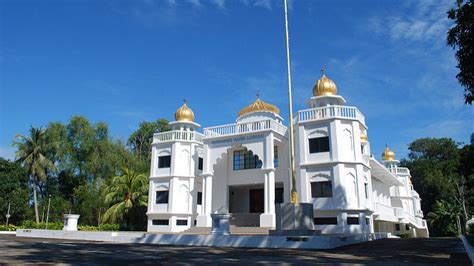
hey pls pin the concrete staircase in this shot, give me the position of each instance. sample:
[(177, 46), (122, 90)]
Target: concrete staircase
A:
[(234, 230)]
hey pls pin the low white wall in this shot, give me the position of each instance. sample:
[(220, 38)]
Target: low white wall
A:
[(311, 242), (469, 249)]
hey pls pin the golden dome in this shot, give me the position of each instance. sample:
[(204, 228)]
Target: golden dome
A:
[(388, 155), (324, 86), (363, 137), (184, 113), (261, 106)]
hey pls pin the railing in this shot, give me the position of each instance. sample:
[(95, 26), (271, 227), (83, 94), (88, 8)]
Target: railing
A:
[(400, 170), (327, 112), (177, 135), (248, 127), (399, 212)]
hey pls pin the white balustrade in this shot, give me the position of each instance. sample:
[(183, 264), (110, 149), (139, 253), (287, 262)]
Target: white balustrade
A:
[(248, 127), (328, 112), (384, 209), (177, 135)]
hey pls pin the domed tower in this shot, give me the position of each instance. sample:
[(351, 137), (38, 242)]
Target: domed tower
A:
[(333, 161), (325, 93), (388, 158), (259, 110), (174, 191), (184, 119)]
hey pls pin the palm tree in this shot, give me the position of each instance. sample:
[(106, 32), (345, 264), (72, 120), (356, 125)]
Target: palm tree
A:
[(127, 197), (31, 154)]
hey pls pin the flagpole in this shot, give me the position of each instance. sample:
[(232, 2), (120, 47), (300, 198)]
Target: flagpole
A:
[(294, 193)]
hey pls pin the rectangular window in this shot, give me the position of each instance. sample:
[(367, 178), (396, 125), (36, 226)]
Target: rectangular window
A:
[(319, 145), (160, 222), (397, 227), (200, 163), (162, 197), (181, 222), (275, 157), (279, 195), (322, 189), (325, 220), (199, 198), (352, 220), (164, 161), (366, 188), (367, 221), (246, 160), (407, 227)]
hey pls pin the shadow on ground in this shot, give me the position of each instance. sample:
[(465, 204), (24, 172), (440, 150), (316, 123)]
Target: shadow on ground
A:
[(447, 251)]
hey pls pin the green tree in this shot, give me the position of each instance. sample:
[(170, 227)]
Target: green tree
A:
[(13, 190), (443, 218), (31, 154), (140, 140), (442, 174), (461, 38), (127, 198)]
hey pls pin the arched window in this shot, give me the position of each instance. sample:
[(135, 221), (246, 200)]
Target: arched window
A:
[(244, 159)]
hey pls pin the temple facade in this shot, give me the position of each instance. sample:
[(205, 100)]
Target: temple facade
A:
[(243, 169)]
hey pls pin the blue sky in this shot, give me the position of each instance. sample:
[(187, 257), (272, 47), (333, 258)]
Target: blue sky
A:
[(123, 62)]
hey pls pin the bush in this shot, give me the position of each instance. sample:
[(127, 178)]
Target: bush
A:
[(109, 227), (404, 236), (102, 227), (34, 225), (11, 227), (87, 228)]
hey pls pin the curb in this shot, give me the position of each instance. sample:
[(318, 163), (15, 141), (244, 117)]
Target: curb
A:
[(469, 249)]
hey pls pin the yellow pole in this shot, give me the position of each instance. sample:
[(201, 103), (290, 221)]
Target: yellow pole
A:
[(294, 193)]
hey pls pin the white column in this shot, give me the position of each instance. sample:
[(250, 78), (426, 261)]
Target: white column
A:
[(204, 219), (267, 219), (208, 195)]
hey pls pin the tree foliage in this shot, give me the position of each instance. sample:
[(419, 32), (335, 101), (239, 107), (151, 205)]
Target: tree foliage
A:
[(461, 38), (13, 190), (32, 154), (127, 198), (140, 140), (73, 166), (442, 174)]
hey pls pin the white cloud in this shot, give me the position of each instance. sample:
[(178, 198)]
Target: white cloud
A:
[(263, 3), (7, 153), (422, 21), (196, 3), (219, 3)]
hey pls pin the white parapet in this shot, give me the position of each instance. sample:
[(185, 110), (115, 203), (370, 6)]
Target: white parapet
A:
[(70, 222)]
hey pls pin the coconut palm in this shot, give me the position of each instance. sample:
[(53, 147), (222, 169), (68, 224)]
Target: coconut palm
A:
[(31, 154), (127, 196)]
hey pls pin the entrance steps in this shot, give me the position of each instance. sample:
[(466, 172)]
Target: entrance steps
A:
[(234, 230)]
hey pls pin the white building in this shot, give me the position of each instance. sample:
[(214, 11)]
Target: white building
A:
[(243, 169)]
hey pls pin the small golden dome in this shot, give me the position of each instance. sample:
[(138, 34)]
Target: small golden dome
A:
[(324, 86), (259, 106), (363, 137), (184, 113), (388, 155)]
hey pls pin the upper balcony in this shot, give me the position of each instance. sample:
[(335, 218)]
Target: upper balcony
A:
[(177, 135), (248, 127), (329, 112)]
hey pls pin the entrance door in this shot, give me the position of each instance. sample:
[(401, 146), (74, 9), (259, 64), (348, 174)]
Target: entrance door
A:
[(256, 200)]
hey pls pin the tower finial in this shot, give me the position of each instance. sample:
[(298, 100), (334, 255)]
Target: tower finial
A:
[(184, 100), (258, 94), (323, 71)]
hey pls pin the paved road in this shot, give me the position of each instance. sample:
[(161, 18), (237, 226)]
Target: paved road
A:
[(446, 251)]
